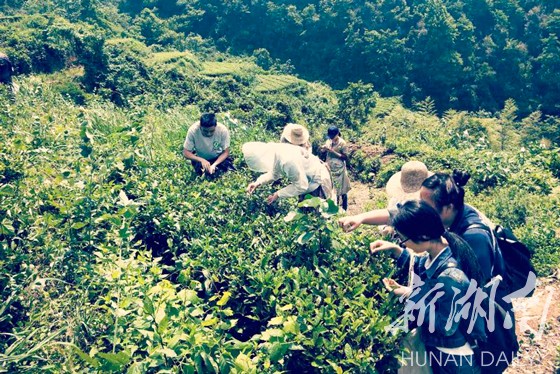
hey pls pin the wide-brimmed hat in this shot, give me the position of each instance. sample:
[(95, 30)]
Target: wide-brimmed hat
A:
[(295, 134), (405, 184)]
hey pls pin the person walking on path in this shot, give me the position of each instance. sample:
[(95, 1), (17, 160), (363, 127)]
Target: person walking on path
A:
[(337, 155)]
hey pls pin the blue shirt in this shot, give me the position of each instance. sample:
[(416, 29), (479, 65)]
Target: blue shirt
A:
[(437, 299), (480, 240)]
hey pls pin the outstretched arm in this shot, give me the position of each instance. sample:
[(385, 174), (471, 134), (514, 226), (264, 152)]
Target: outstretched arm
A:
[(373, 217)]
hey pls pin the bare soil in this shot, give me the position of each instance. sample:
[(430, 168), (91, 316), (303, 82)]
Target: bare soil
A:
[(537, 317)]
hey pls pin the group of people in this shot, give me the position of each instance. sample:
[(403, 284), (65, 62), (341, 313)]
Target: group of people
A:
[(437, 239), (207, 145), (439, 245)]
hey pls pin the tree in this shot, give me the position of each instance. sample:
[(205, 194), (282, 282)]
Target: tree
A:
[(507, 118), (355, 103)]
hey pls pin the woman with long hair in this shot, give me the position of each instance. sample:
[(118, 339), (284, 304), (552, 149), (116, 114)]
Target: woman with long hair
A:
[(441, 280), (446, 194)]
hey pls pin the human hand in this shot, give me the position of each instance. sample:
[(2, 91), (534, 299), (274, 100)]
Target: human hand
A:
[(392, 286), (272, 198), (205, 165), (384, 245), (251, 187), (349, 223), (212, 169)]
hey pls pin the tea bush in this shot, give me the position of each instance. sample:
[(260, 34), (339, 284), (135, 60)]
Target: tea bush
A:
[(115, 256)]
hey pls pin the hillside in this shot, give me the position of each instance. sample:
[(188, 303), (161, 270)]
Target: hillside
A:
[(115, 257)]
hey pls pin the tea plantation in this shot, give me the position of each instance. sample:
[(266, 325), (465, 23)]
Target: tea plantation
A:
[(114, 257)]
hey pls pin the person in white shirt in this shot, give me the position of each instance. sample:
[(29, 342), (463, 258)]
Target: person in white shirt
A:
[(292, 159), (207, 146)]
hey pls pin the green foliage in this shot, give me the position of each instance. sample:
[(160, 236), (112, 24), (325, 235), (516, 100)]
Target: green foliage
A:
[(115, 257), (225, 68), (190, 274), (365, 167), (355, 104), (271, 83)]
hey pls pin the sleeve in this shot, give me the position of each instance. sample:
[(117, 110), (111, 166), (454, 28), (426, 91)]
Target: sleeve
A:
[(403, 260), (448, 303), (403, 266), (393, 211), (298, 180), (271, 175), (226, 138), (189, 140), (481, 243)]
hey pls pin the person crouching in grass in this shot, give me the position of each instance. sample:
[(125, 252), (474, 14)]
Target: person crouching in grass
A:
[(207, 146)]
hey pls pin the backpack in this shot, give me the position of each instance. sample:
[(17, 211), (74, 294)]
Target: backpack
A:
[(519, 276), (496, 351)]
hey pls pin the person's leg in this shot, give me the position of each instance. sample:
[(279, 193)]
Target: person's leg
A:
[(344, 201)]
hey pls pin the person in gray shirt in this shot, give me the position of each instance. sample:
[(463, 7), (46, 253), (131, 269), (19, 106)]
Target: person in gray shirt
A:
[(207, 146)]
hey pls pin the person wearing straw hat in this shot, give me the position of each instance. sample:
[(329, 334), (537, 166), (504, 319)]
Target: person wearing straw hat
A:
[(337, 154), (405, 184), (295, 134), (292, 159)]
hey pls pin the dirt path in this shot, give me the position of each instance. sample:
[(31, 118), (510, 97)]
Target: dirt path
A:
[(537, 317)]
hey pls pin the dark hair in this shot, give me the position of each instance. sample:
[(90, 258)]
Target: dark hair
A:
[(419, 222), (208, 120), (332, 132), (448, 189)]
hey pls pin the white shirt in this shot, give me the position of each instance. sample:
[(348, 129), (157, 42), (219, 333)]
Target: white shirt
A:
[(304, 170), (207, 148)]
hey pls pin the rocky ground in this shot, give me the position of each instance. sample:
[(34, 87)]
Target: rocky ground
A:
[(537, 317)]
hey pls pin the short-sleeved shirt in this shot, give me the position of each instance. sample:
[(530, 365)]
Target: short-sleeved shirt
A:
[(207, 148)]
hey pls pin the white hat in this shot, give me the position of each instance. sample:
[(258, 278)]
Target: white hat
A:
[(295, 134), (405, 184), (259, 156)]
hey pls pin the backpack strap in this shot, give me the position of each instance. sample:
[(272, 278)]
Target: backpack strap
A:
[(494, 243)]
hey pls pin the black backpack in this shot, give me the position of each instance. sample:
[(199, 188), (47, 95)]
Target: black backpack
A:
[(519, 276)]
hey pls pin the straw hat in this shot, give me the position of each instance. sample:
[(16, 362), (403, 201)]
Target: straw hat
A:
[(405, 184), (295, 134)]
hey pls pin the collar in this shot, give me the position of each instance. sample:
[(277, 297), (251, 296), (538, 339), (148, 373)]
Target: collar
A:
[(455, 225), (437, 262)]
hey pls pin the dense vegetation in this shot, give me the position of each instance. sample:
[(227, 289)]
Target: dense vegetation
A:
[(465, 55), (115, 257)]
